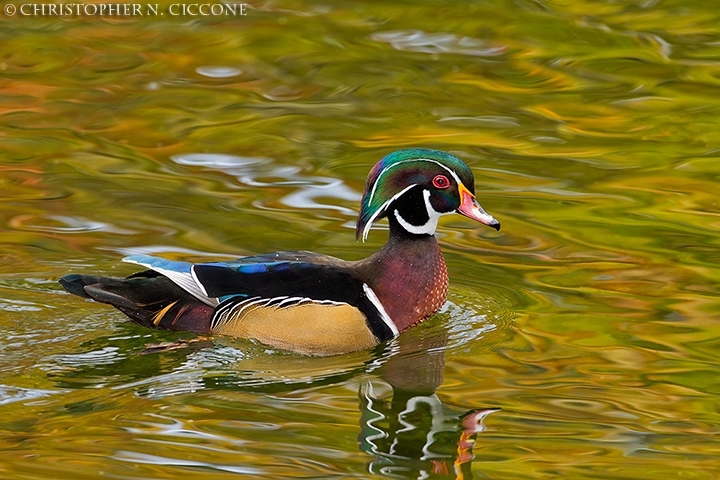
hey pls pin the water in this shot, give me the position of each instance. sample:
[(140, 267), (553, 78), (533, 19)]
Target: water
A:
[(590, 320)]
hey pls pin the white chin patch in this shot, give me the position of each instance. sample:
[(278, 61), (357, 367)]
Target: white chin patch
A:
[(426, 229)]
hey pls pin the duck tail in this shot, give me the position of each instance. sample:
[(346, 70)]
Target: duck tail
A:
[(148, 299)]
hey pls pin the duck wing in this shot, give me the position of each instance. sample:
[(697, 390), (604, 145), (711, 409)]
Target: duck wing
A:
[(299, 301)]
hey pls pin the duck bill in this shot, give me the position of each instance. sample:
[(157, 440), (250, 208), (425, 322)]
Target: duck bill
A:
[(470, 208)]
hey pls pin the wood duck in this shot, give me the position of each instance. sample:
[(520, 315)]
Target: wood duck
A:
[(308, 302)]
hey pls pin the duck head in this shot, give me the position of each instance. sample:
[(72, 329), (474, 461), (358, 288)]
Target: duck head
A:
[(413, 188)]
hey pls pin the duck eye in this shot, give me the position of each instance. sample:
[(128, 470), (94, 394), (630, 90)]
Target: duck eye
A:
[(441, 181)]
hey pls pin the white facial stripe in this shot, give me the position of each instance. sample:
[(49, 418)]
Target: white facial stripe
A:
[(377, 180), (374, 216), (383, 314), (428, 206), (430, 226)]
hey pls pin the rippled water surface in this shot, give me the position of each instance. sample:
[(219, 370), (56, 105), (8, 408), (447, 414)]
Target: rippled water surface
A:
[(590, 320)]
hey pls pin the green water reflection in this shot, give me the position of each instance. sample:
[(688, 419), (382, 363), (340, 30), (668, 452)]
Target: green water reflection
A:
[(590, 319)]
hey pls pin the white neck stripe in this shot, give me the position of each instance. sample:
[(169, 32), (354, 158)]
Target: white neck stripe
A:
[(383, 314), (377, 180)]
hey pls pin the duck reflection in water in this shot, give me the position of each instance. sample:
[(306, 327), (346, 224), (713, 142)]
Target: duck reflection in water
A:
[(413, 435)]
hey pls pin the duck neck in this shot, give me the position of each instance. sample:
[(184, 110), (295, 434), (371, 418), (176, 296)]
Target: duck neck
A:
[(409, 276)]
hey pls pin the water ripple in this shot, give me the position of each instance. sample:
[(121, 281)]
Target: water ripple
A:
[(65, 224), (437, 43), (144, 458), (491, 121), (218, 71), (11, 394), (231, 164), (264, 172), (104, 356), (20, 306)]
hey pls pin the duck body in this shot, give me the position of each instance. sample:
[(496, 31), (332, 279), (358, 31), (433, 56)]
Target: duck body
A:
[(308, 302)]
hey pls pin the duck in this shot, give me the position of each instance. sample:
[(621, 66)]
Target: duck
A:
[(310, 303)]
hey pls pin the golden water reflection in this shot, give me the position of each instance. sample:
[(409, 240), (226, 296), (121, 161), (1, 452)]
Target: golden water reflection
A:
[(590, 319)]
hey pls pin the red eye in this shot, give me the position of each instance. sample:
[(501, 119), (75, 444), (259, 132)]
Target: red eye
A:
[(441, 181)]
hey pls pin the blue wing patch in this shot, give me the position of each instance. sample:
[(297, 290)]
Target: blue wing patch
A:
[(266, 267), (252, 268), (159, 264)]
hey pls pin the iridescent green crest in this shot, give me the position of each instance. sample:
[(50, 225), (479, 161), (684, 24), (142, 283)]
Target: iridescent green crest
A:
[(400, 171)]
